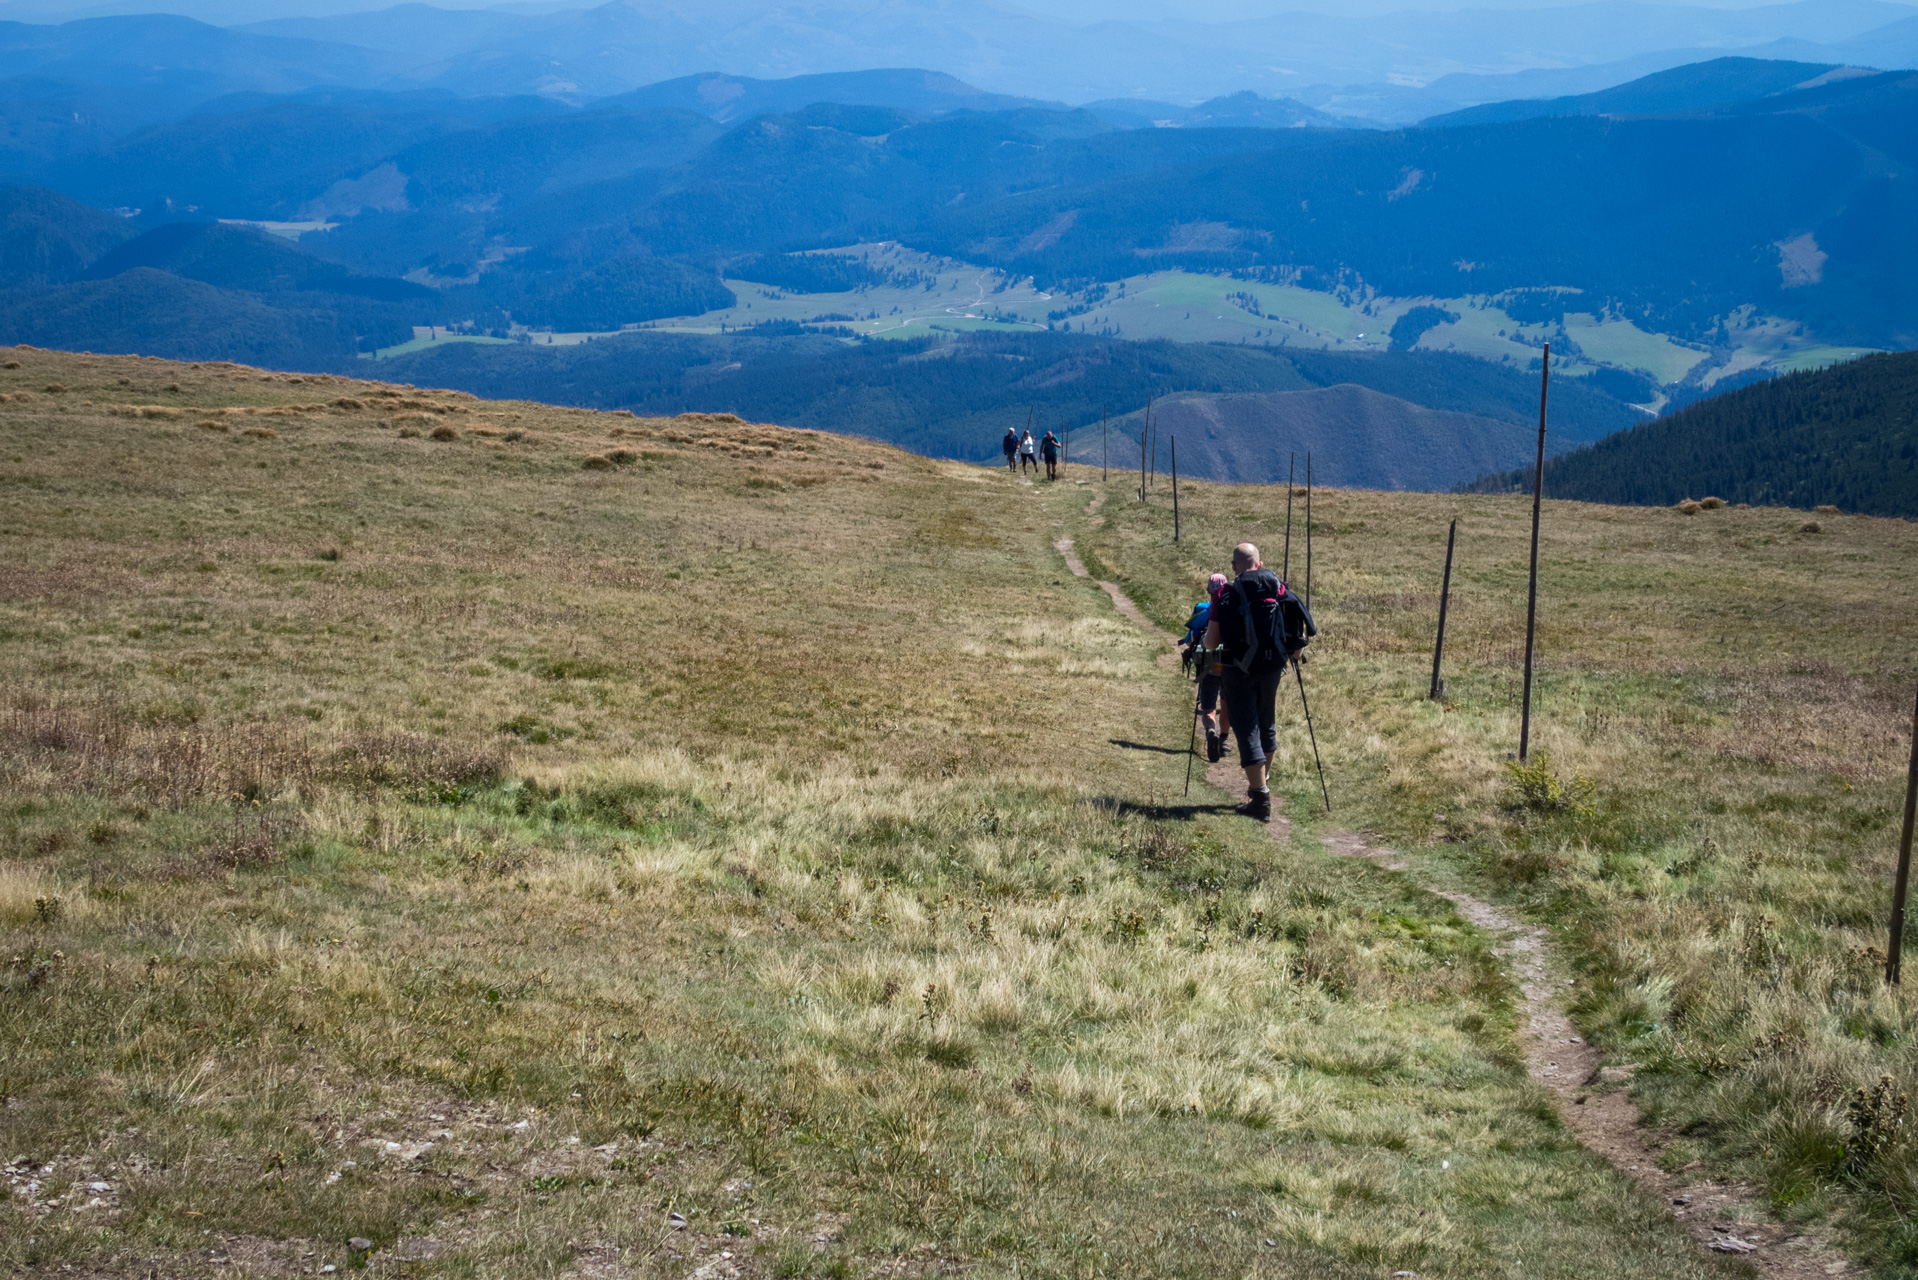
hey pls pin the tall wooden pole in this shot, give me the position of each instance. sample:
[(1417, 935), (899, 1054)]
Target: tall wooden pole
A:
[(1308, 531), (1291, 472), (1174, 441), (1142, 466), (1531, 591), (1445, 598), (1105, 456), (1894, 952), (1153, 436)]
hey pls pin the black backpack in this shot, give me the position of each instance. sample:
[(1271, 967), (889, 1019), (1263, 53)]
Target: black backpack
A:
[(1277, 624)]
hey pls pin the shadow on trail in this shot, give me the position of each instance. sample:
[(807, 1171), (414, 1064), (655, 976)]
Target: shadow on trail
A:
[(1182, 812), (1130, 745)]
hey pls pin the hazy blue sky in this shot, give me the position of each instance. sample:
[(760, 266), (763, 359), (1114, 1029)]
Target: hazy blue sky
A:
[(1081, 11)]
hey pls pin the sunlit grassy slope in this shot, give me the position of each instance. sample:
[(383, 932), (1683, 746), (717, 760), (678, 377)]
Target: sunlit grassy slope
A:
[(539, 842), (1737, 685)]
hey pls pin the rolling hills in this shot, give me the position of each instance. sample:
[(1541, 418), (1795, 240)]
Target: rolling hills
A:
[(955, 396)]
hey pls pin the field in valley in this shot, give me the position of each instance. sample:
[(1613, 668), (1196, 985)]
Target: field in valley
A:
[(540, 842)]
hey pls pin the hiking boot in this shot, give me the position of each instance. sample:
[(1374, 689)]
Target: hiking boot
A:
[(1258, 804), (1214, 747)]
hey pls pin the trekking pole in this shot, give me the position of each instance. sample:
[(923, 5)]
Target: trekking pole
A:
[(1894, 953), (1531, 591), (1445, 598), (1192, 748), (1311, 733), (1291, 471)]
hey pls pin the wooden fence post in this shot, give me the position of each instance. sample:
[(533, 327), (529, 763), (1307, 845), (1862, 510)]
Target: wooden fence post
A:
[(1445, 598), (1894, 951), (1174, 440), (1291, 473), (1531, 591)]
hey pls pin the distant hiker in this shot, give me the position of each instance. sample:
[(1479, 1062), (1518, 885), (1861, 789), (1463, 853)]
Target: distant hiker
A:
[(1260, 625), (1211, 715), (1011, 445), (1049, 449), (1028, 453)]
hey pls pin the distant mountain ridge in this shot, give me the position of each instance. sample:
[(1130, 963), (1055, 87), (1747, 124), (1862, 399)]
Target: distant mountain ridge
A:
[(1359, 438), (1703, 86), (727, 98), (614, 48)]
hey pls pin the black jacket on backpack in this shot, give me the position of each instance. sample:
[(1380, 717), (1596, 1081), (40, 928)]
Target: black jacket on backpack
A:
[(1262, 623)]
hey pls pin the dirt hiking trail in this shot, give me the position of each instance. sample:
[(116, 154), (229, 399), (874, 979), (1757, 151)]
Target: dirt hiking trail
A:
[(1723, 1217)]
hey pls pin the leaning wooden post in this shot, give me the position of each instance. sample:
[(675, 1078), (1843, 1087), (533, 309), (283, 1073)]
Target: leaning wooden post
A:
[(1174, 440), (1531, 591), (1445, 598), (1142, 466), (1105, 456), (1895, 951), (1291, 472)]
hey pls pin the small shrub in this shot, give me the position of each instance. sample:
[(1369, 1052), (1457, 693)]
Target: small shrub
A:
[(445, 433), (173, 386), (409, 433), (1688, 508), (1711, 504), (1811, 526), (327, 553), (512, 436), (1826, 510), (13, 364), (1877, 1119), (54, 388), (1534, 787), (261, 433), (598, 462), (623, 457), (208, 424), (348, 402)]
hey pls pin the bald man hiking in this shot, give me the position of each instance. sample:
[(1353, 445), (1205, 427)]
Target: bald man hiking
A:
[(1261, 626)]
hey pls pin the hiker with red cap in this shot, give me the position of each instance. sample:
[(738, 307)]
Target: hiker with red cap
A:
[(1259, 625)]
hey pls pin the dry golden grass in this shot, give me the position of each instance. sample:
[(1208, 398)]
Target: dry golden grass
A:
[(491, 858)]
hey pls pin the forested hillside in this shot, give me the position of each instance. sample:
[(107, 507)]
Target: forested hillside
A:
[(1845, 436)]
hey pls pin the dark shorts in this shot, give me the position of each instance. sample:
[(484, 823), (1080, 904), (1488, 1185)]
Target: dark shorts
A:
[(1251, 701), (1208, 693)]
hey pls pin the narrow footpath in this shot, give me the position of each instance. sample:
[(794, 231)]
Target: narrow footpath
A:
[(1724, 1218)]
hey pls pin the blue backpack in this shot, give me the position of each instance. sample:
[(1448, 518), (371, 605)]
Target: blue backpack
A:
[(1195, 625)]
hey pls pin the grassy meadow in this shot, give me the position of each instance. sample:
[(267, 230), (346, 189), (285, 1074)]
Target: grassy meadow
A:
[(1723, 720), (452, 838)]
